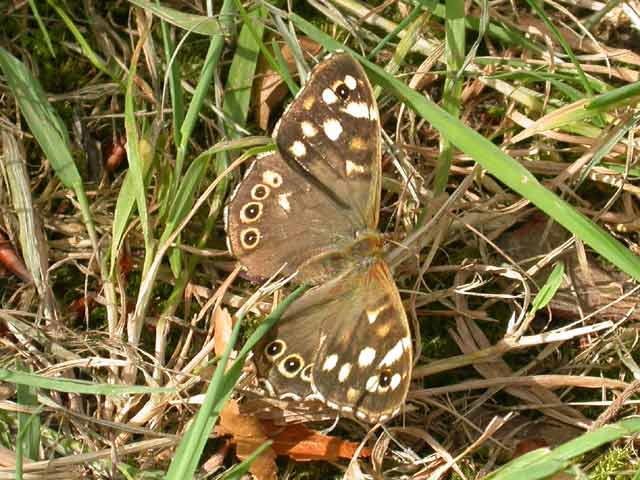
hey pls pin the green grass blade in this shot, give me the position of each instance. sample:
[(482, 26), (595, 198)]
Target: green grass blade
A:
[(135, 159), (177, 97), (43, 29), (549, 289), (190, 449), (238, 471), (48, 129), (560, 39), (75, 386), (455, 46), (210, 26), (494, 160), (28, 424), (539, 464), (88, 52)]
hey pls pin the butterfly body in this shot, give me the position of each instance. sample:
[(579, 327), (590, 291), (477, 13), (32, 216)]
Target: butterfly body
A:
[(311, 208)]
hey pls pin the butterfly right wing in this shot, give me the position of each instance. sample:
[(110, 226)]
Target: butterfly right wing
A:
[(331, 133), (346, 343), (276, 217)]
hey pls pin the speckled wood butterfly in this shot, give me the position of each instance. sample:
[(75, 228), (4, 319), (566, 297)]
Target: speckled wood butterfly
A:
[(313, 207)]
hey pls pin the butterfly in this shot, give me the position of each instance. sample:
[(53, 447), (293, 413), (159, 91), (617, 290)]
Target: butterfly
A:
[(313, 207)]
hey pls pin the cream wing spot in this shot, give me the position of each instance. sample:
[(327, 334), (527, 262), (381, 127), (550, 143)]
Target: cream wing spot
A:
[(361, 415), (298, 149), (308, 129), (395, 381), (353, 394), (351, 168), (290, 395), (372, 315), (308, 102), (366, 357), (350, 82), (283, 201), (329, 97), (357, 144), (373, 113), (274, 179), (392, 355), (406, 344), (344, 372), (330, 362), (372, 383), (332, 128), (358, 110)]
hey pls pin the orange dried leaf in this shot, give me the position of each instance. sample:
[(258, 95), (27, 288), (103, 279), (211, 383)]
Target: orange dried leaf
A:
[(11, 261), (248, 435), (223, 325), (303, 444)]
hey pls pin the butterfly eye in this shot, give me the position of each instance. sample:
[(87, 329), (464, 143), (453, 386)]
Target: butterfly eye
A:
[(274, 349), (385, 378), (342, 91)]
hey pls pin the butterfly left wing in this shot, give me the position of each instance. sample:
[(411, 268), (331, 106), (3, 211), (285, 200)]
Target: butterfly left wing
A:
[(331, 133), (346, 343)]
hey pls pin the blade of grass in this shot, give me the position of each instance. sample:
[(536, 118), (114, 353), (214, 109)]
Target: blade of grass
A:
[(43, 29), (549, 289), (238, 471), (187, 456), (49, 131), (173, 72), (455, 46), (28, 424), (494, 160), (560, 39), (201, 24), (75, 386), (541, 464), (91, 55)]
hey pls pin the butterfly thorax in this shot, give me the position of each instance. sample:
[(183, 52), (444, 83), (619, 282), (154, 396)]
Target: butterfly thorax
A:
[(346, 255)]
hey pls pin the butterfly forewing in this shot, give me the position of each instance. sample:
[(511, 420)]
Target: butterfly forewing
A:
[(276, 217), (331, 131)]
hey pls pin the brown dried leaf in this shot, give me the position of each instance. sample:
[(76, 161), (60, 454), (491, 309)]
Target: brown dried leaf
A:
[(223, 325), (303, 444), (11, 261), (248, 435), (270, 90)]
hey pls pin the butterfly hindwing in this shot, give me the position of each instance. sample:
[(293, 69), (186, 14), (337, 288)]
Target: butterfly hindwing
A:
[(331, 131), (363, 365), (346, 343)]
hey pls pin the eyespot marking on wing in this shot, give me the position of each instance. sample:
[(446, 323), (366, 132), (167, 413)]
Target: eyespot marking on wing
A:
[(249, 238), (260, 192), (251, 212)]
